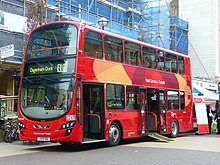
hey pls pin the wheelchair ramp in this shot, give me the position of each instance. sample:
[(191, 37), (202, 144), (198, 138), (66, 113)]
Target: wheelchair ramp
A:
[(160, 137)]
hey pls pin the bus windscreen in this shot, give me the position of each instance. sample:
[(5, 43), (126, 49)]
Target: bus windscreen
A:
[(52, 40), (46, 97)]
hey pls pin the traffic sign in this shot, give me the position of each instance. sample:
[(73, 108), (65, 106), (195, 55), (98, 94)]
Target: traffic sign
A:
[(7, 51)]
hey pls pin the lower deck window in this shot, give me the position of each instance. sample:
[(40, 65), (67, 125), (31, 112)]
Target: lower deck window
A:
[(115, 96), (132, 98), (173, 100)]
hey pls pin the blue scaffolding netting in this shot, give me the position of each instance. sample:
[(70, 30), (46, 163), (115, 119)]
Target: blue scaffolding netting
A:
[(152, 23)]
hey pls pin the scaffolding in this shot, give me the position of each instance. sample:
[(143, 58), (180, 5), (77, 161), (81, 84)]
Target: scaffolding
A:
[(123, 15), (155, 22), (146, 20), (179, 35), (161, 25)]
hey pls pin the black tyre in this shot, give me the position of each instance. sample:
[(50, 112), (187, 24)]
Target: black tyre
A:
[(16, 136), (66, 144), (12, 137), (114, 134), (174, 129), (7, 136)]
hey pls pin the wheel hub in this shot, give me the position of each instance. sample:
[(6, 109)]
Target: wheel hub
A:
[(113, 133)]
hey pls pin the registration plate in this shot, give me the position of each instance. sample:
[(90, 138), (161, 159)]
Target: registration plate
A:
[(43, 139)]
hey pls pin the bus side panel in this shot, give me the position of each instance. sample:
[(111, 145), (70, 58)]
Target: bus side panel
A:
[(184, 119), (129, 121)]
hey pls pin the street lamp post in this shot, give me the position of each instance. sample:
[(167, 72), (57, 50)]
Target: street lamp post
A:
[(102, 22)]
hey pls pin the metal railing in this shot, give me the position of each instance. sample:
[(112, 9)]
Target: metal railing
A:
[(8, 106)]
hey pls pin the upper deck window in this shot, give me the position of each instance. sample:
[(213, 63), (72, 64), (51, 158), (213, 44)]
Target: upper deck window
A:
[(93, 44), (160, 60), (149, 57), (132, 53), (53, 40), (171, 63), (113, 49), (181, 65)]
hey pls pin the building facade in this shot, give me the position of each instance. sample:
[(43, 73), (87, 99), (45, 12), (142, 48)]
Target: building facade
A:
[(204, 21), (12, 29), (146, 20)]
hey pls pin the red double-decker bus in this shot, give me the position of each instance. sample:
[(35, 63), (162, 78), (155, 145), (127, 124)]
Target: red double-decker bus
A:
[(82, 84)]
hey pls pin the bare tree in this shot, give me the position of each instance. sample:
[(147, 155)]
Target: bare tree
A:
[(36, 14)]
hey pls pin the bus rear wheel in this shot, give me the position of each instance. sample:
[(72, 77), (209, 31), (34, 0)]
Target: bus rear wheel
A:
[(114, 134), (174, 129)]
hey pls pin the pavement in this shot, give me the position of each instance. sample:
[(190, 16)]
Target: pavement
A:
[(188, 142), (209, 142), (20, 148)]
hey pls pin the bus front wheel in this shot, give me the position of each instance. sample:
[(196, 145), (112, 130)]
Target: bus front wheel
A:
[(114, 134), (66, 144), (174, 129)]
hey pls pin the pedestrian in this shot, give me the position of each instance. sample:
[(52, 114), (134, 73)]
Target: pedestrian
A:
[(218, 120), (213, 115), (210, 117)]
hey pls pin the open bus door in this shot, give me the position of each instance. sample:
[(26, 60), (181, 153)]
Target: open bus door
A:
[(93, 113), (157, 114), (162, 111), (152, 115), (156, 110), (143, 111)]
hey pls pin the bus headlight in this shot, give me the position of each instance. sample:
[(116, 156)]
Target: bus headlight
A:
[(68, 127), (21, 126)]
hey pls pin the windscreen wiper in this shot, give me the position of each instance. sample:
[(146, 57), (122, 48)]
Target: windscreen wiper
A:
[(28, 79)]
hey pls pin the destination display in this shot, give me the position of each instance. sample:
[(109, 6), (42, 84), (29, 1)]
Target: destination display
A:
[(47, 67)]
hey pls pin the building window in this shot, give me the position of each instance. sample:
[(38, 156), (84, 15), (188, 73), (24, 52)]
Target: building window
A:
[(15, 7), (13, 38)]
